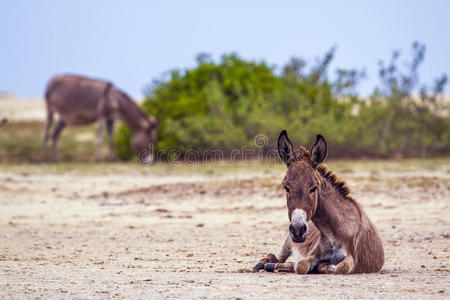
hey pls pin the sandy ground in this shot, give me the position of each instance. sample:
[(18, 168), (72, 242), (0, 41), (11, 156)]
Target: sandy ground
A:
[(156, 232), (22, 109)]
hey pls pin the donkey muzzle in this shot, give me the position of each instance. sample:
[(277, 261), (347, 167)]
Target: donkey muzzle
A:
[(298, 232), (298, 228)]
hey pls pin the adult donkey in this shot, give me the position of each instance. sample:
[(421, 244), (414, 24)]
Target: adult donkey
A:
[(80, 100), (347, 242)]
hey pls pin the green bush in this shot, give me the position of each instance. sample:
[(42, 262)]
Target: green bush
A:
[(224, 105), (122, 142)]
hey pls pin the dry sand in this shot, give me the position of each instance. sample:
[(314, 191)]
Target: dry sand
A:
[(156, 234), (22, 109)]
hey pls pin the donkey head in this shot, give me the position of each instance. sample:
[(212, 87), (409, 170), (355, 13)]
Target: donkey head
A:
[(145, 139), (301, 182)]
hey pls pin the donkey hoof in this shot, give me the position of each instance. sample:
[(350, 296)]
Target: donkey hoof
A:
[(270, 267), (326, 269), (269, 258), (302, 267), (342, 268), (259, 266)]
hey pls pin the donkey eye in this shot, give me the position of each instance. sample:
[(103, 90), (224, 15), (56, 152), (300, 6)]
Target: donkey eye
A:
[(287, 189), (313, 189)]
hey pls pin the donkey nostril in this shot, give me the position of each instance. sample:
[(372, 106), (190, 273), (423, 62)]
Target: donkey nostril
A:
[(303, 230), (291, 229), (298, 230)]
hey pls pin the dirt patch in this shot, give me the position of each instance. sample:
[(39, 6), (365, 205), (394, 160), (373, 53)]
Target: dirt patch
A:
[(167, 236)]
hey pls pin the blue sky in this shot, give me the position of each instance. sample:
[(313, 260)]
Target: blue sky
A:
[(133, 42)]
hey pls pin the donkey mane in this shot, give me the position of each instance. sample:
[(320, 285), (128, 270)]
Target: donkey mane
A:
[(336, 182), (131, 105), (326, 173)]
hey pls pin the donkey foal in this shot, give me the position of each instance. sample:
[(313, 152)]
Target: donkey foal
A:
[(329, 231)]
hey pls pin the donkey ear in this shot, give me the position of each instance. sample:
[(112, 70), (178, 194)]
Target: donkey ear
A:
[(319, 151), (285, 148)]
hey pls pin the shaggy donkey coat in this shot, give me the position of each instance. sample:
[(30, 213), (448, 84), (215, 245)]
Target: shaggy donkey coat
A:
[(329, 231)]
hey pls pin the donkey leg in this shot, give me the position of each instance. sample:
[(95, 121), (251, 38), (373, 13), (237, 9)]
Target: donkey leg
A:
[(55, 137), (303, 266), (271, 258), (326, 269), (286, 250), (285, 267), (344, 267), (48, 125), (98, 150), (110, 129)]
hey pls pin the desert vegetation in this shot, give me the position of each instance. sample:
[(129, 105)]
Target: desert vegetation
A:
[(224, 104)]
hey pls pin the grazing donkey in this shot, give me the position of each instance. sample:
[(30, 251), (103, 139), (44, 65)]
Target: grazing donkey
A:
[(80, 100), (348, 242)]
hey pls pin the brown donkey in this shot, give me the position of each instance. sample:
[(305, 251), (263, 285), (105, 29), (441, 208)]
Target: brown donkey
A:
[(80, 100), (345, 240)]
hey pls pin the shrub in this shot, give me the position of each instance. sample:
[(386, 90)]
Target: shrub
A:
[(223, 105)]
